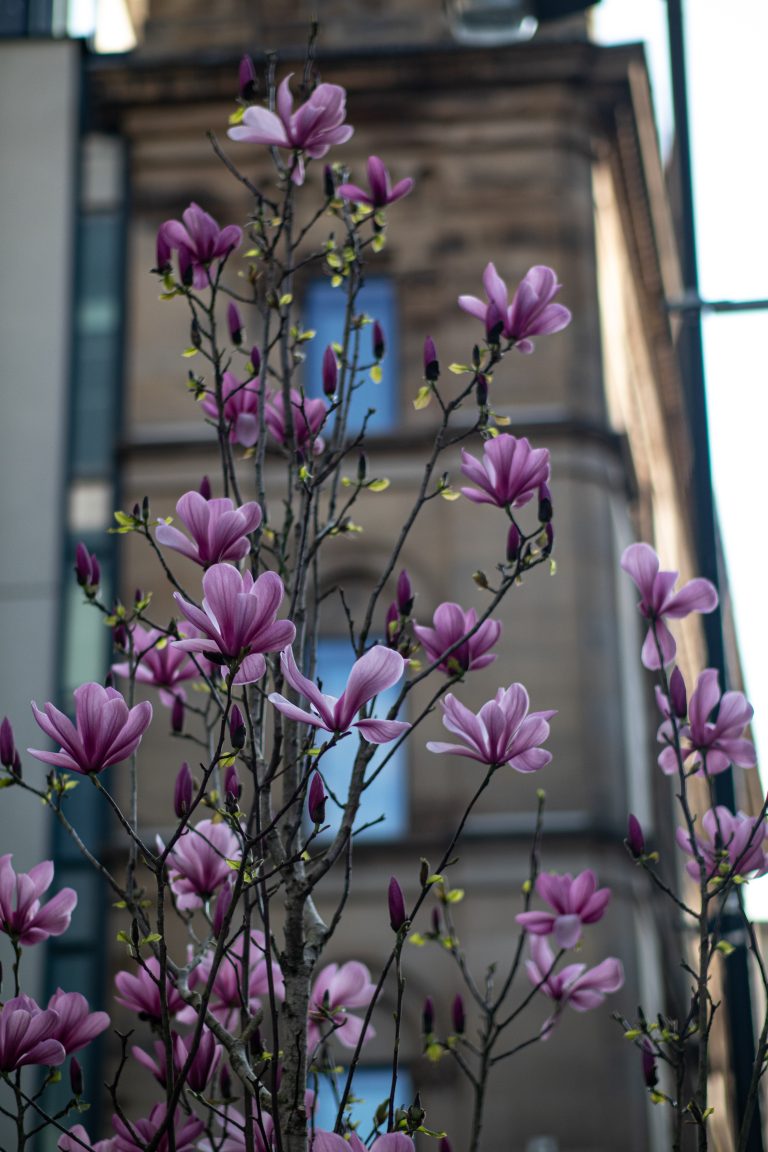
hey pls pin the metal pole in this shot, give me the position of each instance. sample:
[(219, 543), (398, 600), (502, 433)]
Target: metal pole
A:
[(738, 1000)]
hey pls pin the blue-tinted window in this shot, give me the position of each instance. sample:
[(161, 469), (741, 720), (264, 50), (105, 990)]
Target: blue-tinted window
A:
[(324, 312), (387, 795), (370, 1087)]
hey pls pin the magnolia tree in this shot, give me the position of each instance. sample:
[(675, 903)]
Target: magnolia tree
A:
[(243, 1026)]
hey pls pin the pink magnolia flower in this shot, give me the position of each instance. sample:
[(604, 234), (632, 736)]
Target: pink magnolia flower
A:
[(201, 1070), (76, 1025), (77, 1138), (106, 731), (581, 987), (575, 902), (502, 732), (308, 418), (197, 863), (219, 531), (377, 669), (658, 600), (317, 124), (510, 473), (240, 409), (21, 915), (238, 620), (141, 993), (338, 988), (28, 1035), (199, 242), (229, 982), (158, 663), (387, 1142), (531, 312), (729, 843), (136, 1137), (451, 623), (712, 744), (382, 193)]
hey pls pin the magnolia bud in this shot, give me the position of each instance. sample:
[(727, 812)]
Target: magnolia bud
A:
[(378, 341), (396, 901), (457, 1016), (237, 729), (87, 569), (362, 467), (392, 626), (404, 593), (255, 361), (195, 335), (7, 744), (247, 79), (650, 1075), (635, 838), (678, 698), (481, 390), (75, 1077), (428, 1017), (225, 1083), (182, 791), (549, 538), (205, 488), (221, 908), (431, 363), (316, 799), (329, 184), (416, 1114), (16, 766), (545, 503), (177, 715), (232, 785), (444, 1145), (513, 543), (234, 324), (120, 636), (330, 371)]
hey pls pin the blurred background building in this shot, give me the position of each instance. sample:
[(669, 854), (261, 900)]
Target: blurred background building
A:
[(538, 152)]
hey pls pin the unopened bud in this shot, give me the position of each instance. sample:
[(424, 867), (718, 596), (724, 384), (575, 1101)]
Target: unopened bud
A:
[(428, 1017), (404, 593), (232, 785), (423, 872), (234, 324), (416, 1114), (481, 390), (396, 902), (457, 1016), (120, 636), (87, 569), (237, 729), (431, 363), (678, 697), (392, 626), (255, 361), (330, 371), (205, 488), (513, 543), (225, 1083), (329, 184), (476, 357), (378, 341), (316, 799), (247, 79), (362, 467), (221, 908), (650, 1075), (7, 743), (182, 791), (444, 1145), (635, 837), (545, 503), (177, 715), (16, 766), (75, 1077), (195, 335)]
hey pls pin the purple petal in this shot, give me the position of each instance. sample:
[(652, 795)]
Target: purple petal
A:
[(377, 669), (381, 731)]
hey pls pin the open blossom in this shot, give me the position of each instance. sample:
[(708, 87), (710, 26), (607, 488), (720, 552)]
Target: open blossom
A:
[(197, 863), (531, 312), (134, 1138), (376, 670), (204, 1063), (658, 600), (308, 418), (76, 1025), (729, 844), (312, 129), (141, 993), (510, 473), (22, 917), (218, 529), (502, 732), (240, 404), (576, 984), (28, 1035), (451, 622), (712, 744), (238, 619), (199, 242), (337, 989), (387, 1142), (77, 1139), (158, 663), (381, 192), (574, 902), (106, 731), (229, 984)]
